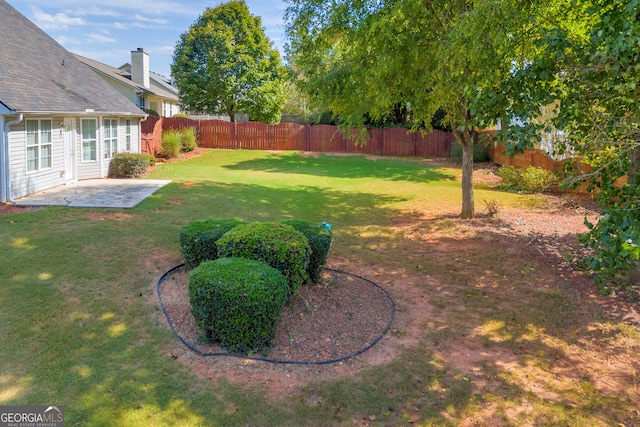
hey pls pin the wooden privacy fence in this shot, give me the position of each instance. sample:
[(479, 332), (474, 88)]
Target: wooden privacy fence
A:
[(536, 158), (524, 160), (151, 138), (321, 138)]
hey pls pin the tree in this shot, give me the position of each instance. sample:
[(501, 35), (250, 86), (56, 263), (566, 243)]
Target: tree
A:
[(225, 64), (364, 58), (593, 82)]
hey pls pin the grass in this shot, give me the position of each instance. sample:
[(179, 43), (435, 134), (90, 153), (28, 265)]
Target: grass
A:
[(81, 327)]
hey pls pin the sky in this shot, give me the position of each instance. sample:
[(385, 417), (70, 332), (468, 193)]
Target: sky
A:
[(107, 31)]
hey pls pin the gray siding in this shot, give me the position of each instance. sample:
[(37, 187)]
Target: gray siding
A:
[(135, 135), (23, 182)]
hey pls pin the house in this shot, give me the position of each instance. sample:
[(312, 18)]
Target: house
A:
[(59, 121), (142, 86)]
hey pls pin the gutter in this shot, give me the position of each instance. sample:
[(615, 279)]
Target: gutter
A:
[(140, 133), (87, 112), (5, 194)]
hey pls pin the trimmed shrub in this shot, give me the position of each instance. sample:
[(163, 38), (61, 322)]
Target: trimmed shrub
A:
[(150, 112), (480, 153), (189, 139), (319, 239), (529, 180), (152, 159), (171, 143), (181, 116), (130, 165), (237, 302), (278, 245), (198, 239)]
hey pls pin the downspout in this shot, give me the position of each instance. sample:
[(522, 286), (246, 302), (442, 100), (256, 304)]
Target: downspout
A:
[(6, 187), (3, 189)]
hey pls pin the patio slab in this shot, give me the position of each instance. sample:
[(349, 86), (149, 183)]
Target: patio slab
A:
[(96, 193)]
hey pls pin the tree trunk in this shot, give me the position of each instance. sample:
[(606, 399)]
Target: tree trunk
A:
[(466, 140), (633, 176)]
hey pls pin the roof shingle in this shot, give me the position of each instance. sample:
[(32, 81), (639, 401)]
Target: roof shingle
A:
[(39, 75)]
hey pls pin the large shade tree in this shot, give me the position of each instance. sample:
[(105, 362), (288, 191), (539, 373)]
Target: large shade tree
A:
[(593, 84), (363, 58), (225, 64)]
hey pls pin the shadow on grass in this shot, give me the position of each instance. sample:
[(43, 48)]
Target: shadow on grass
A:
[(187, 201), (86, 343), (346, 167), (514, 316)]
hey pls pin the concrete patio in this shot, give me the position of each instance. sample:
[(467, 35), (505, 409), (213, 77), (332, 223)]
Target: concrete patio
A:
[(96, 193)]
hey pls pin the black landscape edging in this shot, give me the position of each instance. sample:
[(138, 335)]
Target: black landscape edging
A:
[(266, 359)]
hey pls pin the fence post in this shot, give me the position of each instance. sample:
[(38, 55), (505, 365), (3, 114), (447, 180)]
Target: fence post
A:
[(234, 139)]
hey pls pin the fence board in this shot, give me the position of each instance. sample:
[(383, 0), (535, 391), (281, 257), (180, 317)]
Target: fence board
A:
[(151, 136), (321, 138)]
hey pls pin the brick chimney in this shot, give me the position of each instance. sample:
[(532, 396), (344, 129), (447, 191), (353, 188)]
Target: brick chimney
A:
[(140, 67)]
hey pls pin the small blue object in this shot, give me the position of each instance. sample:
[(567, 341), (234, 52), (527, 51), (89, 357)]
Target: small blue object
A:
[(326, 225)]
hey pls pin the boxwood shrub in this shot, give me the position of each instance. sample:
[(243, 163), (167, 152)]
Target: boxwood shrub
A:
[(319, 239), (198, 239), (237, 302), (130, 165), (279, 245)]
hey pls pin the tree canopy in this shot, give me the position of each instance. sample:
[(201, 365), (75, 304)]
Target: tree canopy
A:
[(225, 64), (593, 84), (364, 58)]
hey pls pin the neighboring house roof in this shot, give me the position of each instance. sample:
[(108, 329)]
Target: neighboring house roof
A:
[(114, 73), (39, 75), (165, 83), (158, 84)]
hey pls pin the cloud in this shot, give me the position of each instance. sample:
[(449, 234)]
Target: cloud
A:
[(154, 7), (60, 21), (99, 38), (69, 41), (162, 50), (94, 10), (150, 20)]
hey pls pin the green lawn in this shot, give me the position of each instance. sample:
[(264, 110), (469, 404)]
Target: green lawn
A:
[(81, 327)]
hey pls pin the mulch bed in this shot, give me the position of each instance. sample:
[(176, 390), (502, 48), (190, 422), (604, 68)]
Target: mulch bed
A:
[(324, 322)]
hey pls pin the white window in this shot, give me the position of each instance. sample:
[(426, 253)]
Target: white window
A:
[(110, 138), (38, 145), (89, 140), (165, 112), (127, 133), (142, 102)]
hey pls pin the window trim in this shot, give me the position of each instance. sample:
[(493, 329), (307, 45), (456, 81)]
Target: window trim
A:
[(95, 140), (39, 145), (127, 134), (112, 140)]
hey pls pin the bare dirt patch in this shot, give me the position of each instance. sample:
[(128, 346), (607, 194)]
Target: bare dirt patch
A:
[(6, 209), (102, 215), (493, 298)]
